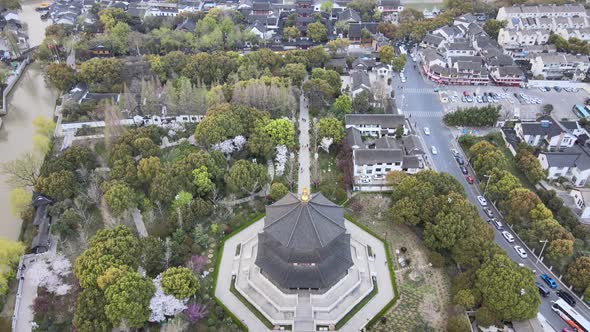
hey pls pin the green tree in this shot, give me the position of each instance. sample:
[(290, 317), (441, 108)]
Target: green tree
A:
[(316, 57), (10, 253), (109, 247), (281, 132), (492, 27), (330, 76), (19, 200), (291, 33), (277, 191), (530, 165), (559, 249), (220, 124), (110, 16), (58, 185), (507, 290), (405, 211), (317, 32), (202, 181), (458, 323), (148, 169), (578, 273), (246, 177), (410, 15), (386, 54), (360, 103), (152, 255), (179, 282), (331, 127), (102, 74), (183, 198), (319, 92), (67, 224), (473, 116), (60, 75), (465, 298), (501, 183), (295, 71), (327, 6), (485, 317), (89, 312), (518, 206), (119, 37), (342, 106), (128, 300), (119, 197), (339, 45), (444, 232), (398, 63)]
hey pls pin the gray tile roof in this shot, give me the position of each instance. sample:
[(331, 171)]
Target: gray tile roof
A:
[(377, 156), (411, 162), (304, 244), (353, 137), (386, 142), (412, 144), (576, 156), (360, 79)]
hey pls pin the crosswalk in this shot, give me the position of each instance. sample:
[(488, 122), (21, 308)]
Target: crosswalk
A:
[(429, 91), (423, 114)]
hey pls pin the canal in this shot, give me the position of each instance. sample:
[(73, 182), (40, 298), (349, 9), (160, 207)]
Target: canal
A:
[(29, 99)]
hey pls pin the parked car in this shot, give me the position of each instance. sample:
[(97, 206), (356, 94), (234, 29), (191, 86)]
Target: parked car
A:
[(469, 179), (489, 212), (567, 297), (426, 131), (509, 237), (455, 152), (466, 94), (434, 150), (484, 99), (548, 280), (463, 170), (469, 99), (558, 89), (543, 291), (482, 200), (459, 160), (521, 252)]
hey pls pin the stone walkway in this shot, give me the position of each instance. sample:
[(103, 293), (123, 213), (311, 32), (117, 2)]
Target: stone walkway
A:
[(304, 162)]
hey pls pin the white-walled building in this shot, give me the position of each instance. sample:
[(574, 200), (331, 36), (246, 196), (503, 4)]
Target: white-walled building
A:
[(572, 164), (376, 125), (548, 133), (581, 200), (560, 65)]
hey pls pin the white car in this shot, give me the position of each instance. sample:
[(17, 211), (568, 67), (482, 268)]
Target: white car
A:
[(521, 252), (455, 152), (403, 80), (482, 201), (509, 237), (426, 131), (434, 150)]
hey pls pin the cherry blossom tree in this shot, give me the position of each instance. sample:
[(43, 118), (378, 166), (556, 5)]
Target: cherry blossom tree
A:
[(231, 145), (51, 273), (281, 159), (162, 305), (239, 142)]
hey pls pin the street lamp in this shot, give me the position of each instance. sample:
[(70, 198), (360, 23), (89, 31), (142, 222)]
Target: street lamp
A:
[(487, 183), (541, 253)]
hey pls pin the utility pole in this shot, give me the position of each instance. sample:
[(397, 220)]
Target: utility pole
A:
[(541, 253), (487, 183)]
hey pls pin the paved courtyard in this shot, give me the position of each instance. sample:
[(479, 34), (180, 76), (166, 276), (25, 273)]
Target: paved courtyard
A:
[(233, 263)]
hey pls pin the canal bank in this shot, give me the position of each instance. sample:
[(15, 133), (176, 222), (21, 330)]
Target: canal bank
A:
[(29, 98)]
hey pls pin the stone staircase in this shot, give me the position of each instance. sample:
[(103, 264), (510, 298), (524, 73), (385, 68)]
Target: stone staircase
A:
[(303, 314)]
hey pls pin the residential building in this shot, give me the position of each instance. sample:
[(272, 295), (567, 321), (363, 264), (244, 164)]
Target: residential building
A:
[(360, 82), (581, 200), (355, 31), (573, 164), (383, 70), (540, 11), (512, 37), (560, 66), (376, 125), (390, 10), (546, 133)]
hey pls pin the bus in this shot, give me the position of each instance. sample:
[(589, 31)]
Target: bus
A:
[(570, 316), (581, 111)]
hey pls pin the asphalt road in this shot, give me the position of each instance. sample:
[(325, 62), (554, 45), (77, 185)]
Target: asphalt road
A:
[(417, 99)]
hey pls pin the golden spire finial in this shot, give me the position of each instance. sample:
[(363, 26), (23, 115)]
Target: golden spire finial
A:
[(304, 195)]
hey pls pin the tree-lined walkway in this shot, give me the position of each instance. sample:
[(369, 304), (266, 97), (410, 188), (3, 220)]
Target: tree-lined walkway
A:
[(304, 161)]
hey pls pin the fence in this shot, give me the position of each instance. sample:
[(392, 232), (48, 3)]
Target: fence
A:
[(12, 82)]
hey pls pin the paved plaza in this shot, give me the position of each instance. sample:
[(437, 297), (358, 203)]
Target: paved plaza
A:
[(323, 309)]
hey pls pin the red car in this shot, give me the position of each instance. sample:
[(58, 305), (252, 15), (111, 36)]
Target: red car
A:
[(469, 179), (465, 93)]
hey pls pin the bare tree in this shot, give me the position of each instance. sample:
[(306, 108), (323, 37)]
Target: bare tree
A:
[(112, 123), (23, 171)]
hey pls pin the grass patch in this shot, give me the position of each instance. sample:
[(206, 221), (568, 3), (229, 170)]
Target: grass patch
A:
[(358, 307), (391, 303), (250, 307), (216, 271)]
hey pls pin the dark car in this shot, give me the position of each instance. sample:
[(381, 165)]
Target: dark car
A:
[(463, 170), (489, 212), (460, 160), (542, 290), (567, 297)]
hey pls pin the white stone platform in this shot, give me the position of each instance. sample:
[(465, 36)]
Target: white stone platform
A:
[(304, 311)]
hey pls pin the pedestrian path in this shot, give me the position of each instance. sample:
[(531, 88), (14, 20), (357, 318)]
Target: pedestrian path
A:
[(428, 91), (304, 179), (423, 114)]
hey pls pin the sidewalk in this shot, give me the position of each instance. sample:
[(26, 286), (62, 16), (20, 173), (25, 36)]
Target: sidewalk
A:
[(304, 161)]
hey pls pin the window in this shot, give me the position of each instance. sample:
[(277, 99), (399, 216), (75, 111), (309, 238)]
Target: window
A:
[(377, 170)]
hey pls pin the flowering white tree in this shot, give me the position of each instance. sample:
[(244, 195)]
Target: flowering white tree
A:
[(231, 145), (162, 305), (281, 159), (239, 142), (50, 273), (326, 143)]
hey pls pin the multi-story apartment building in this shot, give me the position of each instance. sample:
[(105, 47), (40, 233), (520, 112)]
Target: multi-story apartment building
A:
[(560, 65)]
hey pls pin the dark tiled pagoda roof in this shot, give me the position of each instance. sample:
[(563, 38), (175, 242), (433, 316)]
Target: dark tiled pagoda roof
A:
[(304, 243)]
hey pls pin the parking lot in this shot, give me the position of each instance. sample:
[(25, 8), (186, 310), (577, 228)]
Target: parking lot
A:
[(525, 104)]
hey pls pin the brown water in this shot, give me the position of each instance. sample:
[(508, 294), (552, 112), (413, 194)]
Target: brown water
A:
[(29, 98)]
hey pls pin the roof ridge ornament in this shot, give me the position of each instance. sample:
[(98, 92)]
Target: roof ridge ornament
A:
[(305, 195)]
